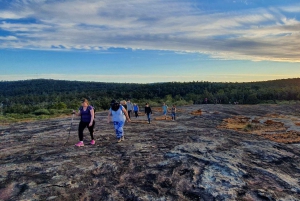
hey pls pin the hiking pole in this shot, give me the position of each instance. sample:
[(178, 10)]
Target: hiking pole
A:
[(70, 128)]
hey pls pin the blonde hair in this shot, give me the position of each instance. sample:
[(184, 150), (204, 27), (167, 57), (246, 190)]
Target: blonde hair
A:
[(85, 101), (123, 102)]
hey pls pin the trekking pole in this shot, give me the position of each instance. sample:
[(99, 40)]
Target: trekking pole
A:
[(70, 129)]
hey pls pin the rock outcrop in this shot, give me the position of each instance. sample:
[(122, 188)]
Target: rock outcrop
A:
[(194, 158)]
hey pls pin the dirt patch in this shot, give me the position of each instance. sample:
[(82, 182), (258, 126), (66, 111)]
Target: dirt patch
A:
[(235, 123), (156, 109), (255, 121), (160, 110), (161, 118), (270, 129), (139, 113), (197, 112), (275, 116), (297, 123), (274, 123), (287, 138)]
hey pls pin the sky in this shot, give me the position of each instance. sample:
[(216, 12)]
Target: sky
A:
[(146, 41)]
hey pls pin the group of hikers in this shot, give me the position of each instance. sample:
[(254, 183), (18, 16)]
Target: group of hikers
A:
[(119, 113)]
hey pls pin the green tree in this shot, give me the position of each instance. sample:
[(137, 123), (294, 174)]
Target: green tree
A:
[(59, 106), (252, 99)]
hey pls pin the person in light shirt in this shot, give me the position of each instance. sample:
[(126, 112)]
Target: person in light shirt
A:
[(116, 112)]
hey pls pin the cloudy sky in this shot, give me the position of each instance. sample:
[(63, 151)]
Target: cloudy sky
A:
[(150, 40)]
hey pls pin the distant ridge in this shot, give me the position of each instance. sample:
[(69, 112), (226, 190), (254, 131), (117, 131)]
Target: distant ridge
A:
[(30, 95), (44, 79)]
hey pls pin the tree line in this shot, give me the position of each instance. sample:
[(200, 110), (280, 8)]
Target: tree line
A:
[(43, 96)]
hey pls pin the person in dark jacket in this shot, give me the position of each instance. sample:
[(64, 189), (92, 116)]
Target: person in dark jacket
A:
[(86, 112), (148, 111)]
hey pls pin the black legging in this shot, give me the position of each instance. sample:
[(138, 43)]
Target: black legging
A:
[(136, 114), (129, 112), (82, 126)]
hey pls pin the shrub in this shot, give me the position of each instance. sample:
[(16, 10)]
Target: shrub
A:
[(53, 111), (59, 106), (42, 117), (248, 127), (182, 103), (42, 112), (67, 111)]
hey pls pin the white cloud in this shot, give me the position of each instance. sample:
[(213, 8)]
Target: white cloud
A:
[(291, 9), (18, 27), (8, 38), (10, 15), (256, 34)]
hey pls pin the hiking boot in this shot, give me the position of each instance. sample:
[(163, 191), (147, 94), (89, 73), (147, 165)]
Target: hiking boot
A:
[(119, 140), (79, 144), (122, 138), (92, 142)]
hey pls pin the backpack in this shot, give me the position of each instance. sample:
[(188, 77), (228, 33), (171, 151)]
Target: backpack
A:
[(94, 110)]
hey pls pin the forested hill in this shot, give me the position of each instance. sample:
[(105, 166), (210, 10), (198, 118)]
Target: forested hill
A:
[(29, 95)]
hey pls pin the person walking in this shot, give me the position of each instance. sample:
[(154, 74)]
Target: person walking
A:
[(165, 110), (173, 110), (129, 108), (148, 111), (136, 110), (117, 112), (86, 112), (123, 103)]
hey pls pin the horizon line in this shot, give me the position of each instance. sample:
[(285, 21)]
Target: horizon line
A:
[(149, 82)]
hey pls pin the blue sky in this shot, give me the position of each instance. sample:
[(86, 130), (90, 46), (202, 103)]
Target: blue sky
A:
[(146, 41)]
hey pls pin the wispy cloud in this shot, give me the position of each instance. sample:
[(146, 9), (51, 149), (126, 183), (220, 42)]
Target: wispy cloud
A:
[(270, 33), (8, 38)]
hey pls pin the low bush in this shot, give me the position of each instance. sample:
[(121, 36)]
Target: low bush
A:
[(41, 112)]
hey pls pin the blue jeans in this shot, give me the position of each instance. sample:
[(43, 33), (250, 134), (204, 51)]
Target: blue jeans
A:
[(119, 128), (148, 117), (173, 116)]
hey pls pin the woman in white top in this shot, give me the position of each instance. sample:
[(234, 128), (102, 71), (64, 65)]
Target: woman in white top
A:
[(117, 112)]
